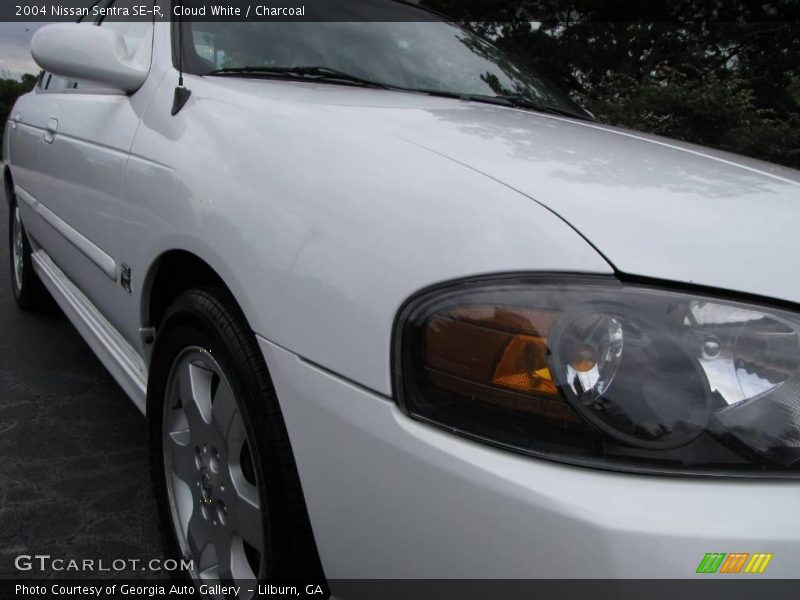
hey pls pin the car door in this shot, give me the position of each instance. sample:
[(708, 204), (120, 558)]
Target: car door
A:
[(24, 136), (87, 133)]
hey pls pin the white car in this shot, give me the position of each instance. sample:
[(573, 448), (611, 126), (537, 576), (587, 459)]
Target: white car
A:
[(395, 307)]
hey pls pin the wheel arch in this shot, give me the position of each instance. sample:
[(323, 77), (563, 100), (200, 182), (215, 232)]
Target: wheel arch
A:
[(172, 273)]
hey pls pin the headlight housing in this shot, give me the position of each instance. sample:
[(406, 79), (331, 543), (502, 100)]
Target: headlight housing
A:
[(595, 372)]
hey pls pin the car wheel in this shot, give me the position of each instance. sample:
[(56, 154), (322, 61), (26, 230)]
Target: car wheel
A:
[(29, 292), (225, 479)]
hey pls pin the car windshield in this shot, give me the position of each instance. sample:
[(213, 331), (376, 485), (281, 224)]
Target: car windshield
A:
[(431, 56)]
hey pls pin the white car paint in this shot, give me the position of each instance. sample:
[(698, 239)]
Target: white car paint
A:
[(102, 56), (323, 208)]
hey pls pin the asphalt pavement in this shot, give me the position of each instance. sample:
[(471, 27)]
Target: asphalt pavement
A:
[(74, 480)]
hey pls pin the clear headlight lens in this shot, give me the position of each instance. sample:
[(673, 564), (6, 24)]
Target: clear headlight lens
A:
[(595, 372)]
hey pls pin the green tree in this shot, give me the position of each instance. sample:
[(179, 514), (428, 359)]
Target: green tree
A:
[(724, 73)]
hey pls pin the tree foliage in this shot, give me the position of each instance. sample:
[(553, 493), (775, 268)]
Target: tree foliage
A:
[(722, 73)]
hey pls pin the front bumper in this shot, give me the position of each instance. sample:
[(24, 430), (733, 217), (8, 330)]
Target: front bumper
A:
[(390, 497)]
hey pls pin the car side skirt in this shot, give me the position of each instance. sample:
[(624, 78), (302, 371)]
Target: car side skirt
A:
[(117, 355)]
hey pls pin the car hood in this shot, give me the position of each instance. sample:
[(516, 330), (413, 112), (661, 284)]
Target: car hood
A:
[(653, 207)]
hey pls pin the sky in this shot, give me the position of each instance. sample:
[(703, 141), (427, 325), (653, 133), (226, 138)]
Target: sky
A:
[(15, 55)]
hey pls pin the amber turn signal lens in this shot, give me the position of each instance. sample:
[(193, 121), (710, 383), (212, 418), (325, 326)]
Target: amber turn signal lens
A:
[(523, 366), (496, 355)]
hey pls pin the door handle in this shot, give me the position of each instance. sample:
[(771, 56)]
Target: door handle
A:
[(15, 121), (50, 132)]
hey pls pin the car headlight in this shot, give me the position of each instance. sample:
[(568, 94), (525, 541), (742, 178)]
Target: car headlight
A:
[(592, 371)]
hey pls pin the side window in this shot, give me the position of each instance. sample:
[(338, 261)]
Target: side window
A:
[(134, 30), (54, 83), (41, 82)]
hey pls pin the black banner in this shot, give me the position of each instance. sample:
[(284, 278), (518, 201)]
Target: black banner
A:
[(733, 588), (499, 11)]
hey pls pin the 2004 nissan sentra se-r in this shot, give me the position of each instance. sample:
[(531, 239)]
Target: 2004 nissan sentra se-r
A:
[(395, 307)]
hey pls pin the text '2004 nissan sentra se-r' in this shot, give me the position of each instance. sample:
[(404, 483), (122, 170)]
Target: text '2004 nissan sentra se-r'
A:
[(395, 307)]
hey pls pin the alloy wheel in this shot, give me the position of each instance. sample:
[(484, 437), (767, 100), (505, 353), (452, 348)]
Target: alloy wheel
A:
[(17, 248), (211, 483)]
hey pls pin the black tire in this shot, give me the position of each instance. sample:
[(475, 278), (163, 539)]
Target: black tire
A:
[(209, 318), (29, 292)]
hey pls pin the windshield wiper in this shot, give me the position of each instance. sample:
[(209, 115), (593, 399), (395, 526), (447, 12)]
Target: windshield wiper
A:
[(512, 100), (328, 75), (519, 101), (322, 74)]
